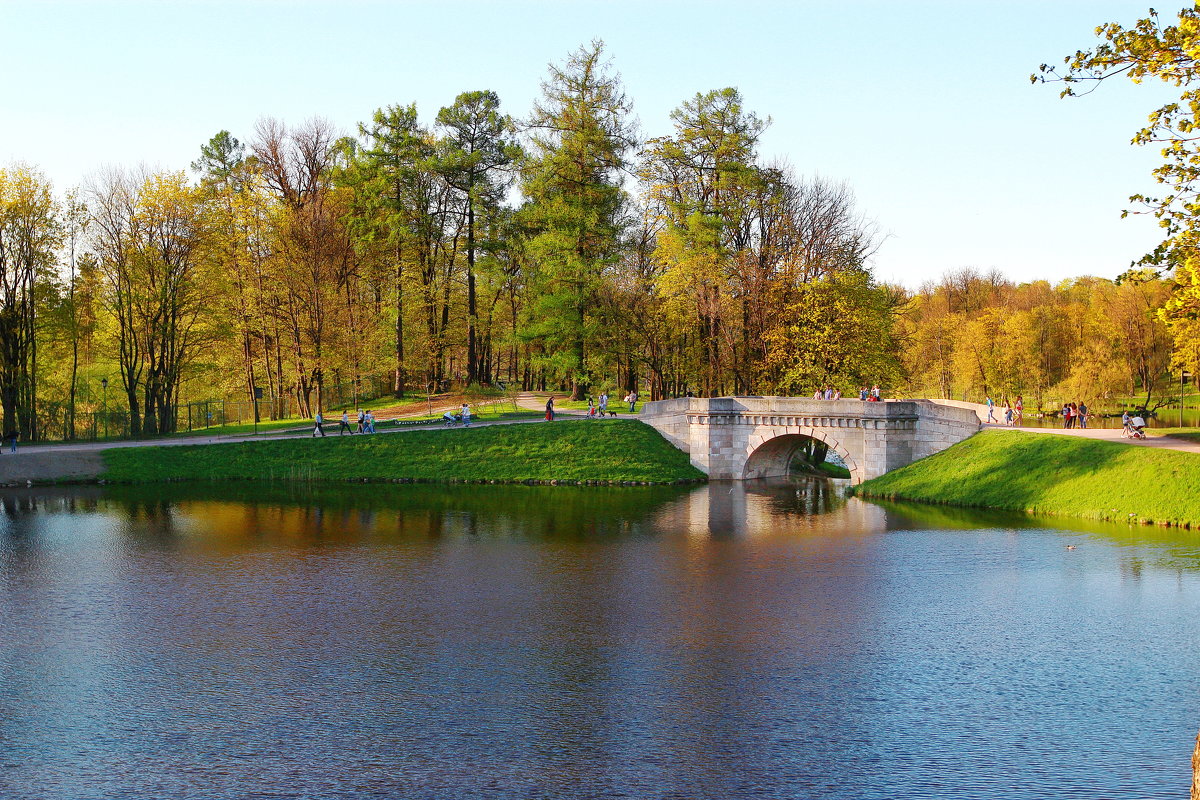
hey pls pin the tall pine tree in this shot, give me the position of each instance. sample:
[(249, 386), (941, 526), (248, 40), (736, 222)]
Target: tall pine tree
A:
[(579, 134)]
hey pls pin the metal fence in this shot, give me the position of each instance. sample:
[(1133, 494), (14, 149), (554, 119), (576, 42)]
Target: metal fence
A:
[(113, 423)]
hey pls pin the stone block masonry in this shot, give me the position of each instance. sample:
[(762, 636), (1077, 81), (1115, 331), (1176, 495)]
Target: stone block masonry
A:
[(741, 438)]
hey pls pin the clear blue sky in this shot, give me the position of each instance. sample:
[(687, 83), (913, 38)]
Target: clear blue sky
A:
[(924, 108)]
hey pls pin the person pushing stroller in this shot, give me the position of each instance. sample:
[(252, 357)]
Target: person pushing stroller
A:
[(1134, 426)]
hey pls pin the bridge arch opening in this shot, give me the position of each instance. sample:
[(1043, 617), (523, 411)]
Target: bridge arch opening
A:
[(776, 456)]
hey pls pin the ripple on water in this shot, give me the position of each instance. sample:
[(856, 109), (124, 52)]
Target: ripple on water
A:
[(512, 642)]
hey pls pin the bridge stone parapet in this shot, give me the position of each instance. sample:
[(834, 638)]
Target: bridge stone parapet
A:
[(757, 437)]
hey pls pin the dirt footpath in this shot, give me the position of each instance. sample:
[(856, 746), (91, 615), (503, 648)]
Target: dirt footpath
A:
[(46, 466)]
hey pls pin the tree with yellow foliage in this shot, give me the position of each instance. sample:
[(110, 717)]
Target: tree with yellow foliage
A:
[(30, 234), (1150, 50)]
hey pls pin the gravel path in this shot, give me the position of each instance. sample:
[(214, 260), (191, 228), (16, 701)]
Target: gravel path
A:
[(1114, 435)]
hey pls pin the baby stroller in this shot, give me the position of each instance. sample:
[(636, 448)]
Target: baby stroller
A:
[(450, 419), (1135, 429)]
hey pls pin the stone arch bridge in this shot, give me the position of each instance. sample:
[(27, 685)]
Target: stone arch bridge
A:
[(741, 438)]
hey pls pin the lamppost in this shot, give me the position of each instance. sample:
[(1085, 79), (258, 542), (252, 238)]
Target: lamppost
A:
[(104, 386)]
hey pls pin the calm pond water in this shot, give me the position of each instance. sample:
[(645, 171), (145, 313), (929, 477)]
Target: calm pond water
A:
[(726, 641)]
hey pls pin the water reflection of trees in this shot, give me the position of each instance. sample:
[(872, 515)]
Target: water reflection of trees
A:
[(243, 515)]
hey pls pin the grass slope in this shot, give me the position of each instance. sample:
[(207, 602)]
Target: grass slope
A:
[(1046, 474), (565, 451), (832, 470)]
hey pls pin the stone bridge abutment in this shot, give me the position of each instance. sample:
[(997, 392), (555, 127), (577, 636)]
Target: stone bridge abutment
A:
[(742, 438)]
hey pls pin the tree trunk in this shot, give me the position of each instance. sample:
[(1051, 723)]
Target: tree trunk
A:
[(135, 420), (579, 381), (1196, 771), (472, 312), (398, 386), (248, 359), (74, 368)]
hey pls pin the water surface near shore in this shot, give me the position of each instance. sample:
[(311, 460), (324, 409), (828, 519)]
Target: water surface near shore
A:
[(724, 641)]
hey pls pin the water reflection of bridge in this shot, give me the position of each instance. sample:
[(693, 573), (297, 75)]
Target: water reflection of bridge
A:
[(742, 438)]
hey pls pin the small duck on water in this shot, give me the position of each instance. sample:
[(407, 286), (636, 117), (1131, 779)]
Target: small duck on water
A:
[(1070, 547)]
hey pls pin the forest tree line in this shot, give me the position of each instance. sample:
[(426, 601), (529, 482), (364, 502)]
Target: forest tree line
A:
[(561, 250)]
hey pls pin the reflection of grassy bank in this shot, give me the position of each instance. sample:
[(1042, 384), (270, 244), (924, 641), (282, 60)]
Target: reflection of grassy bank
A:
[(562, 451), (514, 500), (331, 513), (1167, 548), (1053, 475)]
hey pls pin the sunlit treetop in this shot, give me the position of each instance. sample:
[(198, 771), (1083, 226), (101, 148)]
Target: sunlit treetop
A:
[(1150, 50)]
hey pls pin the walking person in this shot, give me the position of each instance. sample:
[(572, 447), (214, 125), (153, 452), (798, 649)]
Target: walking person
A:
[(1008, 413), (603, 403), (991, 407), (319, 425), (344, 425), (550, 409), (466, 415), (370, 421), (362, 421), (1083, 416), (633, 398), (1019, 408)]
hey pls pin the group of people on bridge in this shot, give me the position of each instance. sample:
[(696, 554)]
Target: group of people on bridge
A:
[(867, 395)]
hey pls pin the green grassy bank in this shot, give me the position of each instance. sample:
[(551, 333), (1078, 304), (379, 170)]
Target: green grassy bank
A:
[(567, 451), (1047, 474)]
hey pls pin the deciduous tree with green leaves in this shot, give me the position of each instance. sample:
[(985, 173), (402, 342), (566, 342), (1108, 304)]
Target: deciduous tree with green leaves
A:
[(702, 181), (475, 159)]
